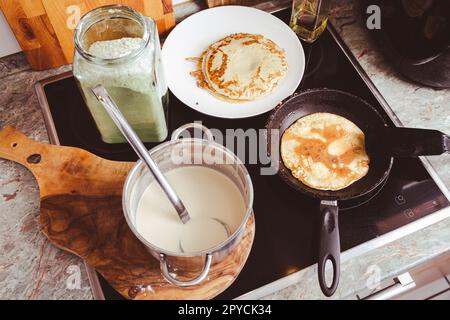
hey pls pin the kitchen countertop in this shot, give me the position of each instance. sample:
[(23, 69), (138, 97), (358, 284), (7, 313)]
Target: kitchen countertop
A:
[(32, 268)]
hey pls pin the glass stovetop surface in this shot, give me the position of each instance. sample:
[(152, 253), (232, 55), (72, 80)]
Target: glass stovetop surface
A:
[(286, 237)]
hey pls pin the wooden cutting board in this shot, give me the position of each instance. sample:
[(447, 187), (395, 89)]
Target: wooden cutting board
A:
[(218, 3), (57, 12), (31, 26), (81, 212), (45, 28)]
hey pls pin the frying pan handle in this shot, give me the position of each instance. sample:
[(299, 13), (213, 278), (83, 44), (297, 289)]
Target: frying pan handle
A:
[(408, 142), (330, 246)]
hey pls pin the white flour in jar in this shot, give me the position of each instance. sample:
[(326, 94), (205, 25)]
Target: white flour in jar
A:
[(113, 49)]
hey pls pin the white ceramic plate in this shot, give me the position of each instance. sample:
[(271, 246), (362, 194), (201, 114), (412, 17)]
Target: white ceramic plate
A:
[(193, 35)]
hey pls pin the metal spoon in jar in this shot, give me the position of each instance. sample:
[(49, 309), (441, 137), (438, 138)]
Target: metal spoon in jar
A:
[(111, 108)]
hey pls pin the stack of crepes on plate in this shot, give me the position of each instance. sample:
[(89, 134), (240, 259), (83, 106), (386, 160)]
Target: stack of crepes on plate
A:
[(241, 67)]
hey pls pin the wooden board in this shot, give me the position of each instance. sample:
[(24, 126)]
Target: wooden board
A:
[(45, 28), (218, 3), (57, 12), (31, 26), (81, 212)]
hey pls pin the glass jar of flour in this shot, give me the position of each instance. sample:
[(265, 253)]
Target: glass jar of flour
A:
[(119, 48)]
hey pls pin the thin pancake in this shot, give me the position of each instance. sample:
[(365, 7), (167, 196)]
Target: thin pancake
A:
[(241, 67), (325, 151)]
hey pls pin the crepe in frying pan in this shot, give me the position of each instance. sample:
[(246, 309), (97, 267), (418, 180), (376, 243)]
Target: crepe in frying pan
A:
[(241, 67), (325, 151)]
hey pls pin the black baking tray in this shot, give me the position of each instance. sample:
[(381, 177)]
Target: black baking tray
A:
[(286, 234)]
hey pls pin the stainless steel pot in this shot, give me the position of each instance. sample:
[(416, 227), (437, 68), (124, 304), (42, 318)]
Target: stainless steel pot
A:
[(188, 152)]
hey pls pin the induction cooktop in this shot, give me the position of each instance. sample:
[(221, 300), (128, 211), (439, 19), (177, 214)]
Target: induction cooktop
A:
[(286, 237)]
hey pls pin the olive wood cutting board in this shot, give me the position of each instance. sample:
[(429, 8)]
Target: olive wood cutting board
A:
[(81, 212)]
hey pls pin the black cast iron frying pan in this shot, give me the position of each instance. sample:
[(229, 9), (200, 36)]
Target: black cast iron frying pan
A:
[(382, 143)]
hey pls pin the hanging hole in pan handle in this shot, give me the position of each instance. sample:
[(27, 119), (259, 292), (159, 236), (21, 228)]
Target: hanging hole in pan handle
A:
[(329, 247), (446, 142), (195, 125), (189, 283), (328, 290)]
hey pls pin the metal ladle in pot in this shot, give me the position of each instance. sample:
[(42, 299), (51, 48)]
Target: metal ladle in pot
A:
[(111, 108)]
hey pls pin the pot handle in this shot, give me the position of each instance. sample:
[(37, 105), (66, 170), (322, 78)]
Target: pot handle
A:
[(194, 125), (330, 246), (407, 142), (188, 283)]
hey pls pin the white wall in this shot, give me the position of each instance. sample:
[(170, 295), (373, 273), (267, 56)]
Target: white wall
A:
[(8, 44)]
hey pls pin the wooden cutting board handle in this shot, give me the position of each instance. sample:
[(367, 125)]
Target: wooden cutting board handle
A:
[(81, 212), (63, 170)]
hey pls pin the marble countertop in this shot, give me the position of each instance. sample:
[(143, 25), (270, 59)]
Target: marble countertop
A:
[(32, 268)]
